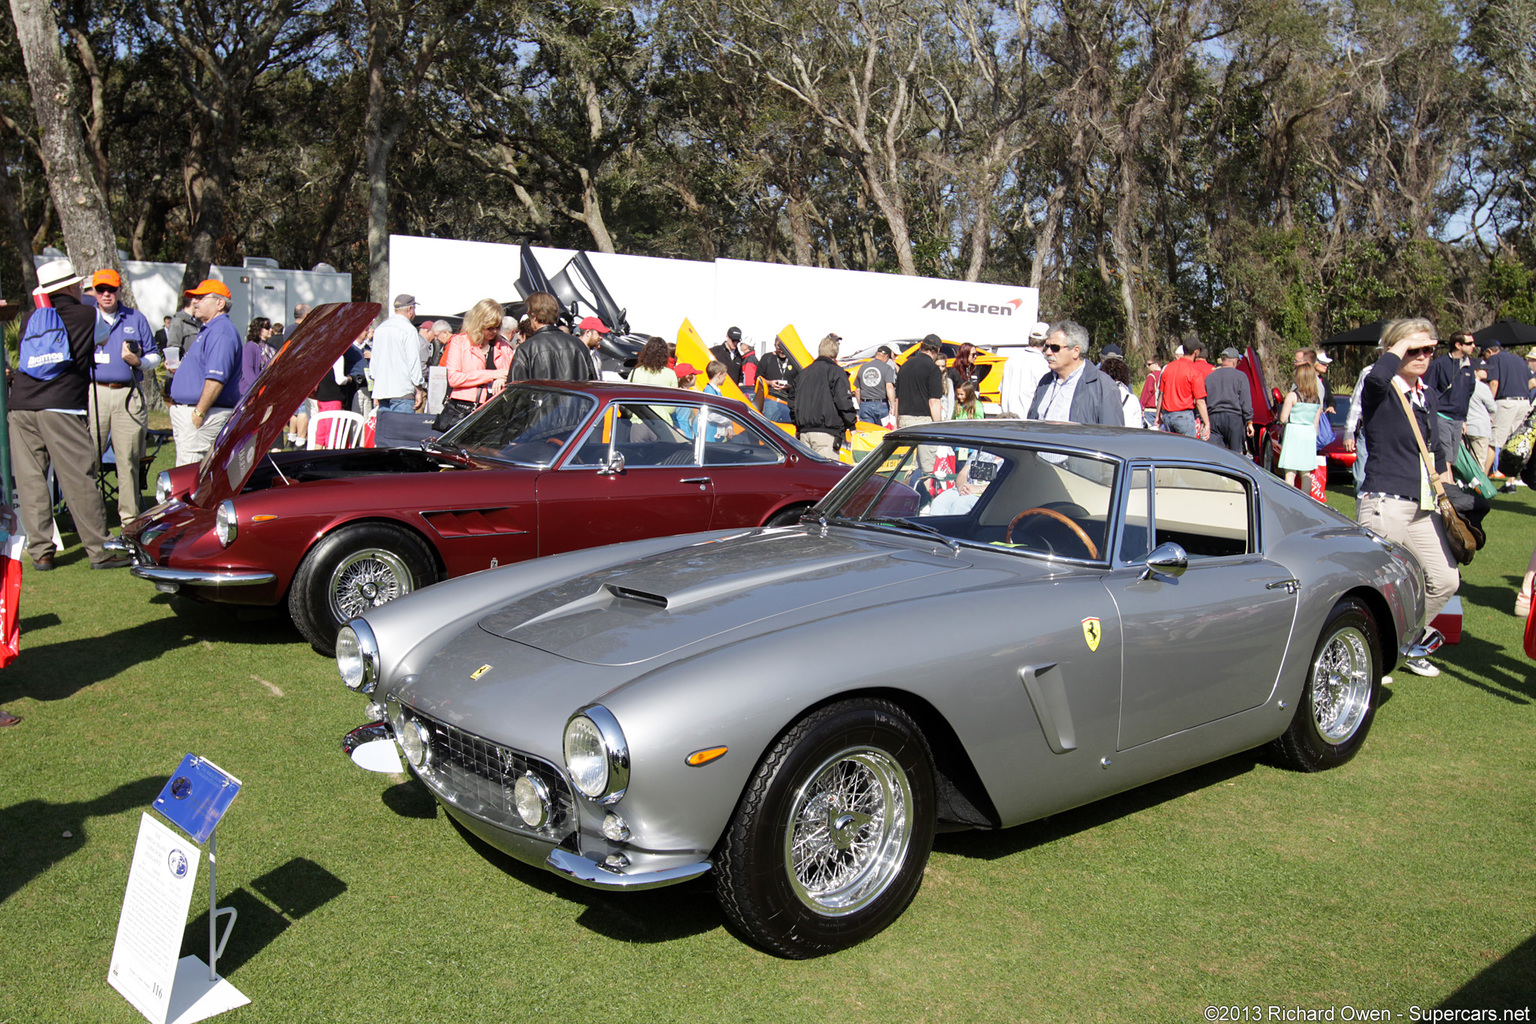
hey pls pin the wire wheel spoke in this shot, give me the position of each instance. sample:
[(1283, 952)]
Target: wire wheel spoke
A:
[(367, 579), (1341, 684)]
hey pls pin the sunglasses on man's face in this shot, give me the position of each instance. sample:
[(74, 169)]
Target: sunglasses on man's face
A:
[(1053, 348), (105, 288)]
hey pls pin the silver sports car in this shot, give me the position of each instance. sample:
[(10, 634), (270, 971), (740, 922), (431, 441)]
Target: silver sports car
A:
[(983, 624)]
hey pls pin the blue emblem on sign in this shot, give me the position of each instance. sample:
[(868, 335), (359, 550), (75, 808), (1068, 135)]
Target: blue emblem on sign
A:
[(177, 862)]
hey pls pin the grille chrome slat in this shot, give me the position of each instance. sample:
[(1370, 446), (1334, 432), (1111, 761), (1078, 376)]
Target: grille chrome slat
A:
[(477, 776)]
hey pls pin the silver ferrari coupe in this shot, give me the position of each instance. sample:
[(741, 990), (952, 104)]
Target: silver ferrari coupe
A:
[(984, 623)]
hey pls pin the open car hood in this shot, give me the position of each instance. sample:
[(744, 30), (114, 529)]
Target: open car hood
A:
[(262, 414)]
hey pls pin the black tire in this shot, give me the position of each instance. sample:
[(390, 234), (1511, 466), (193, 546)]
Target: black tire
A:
[(354, 569), (787, 516), (828, 844), (1339, 701)]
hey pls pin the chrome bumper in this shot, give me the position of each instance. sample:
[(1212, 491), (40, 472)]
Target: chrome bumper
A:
[(1428, 642), (589, 873), (118, 546), (168, 581)]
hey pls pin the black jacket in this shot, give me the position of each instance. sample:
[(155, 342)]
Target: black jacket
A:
[(772, 367), (549, 354), (1394, 465), (823, 400), (732, 360)]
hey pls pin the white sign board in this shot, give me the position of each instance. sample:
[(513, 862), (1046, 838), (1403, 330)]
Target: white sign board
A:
[(145, 967), (866, 309), (154, 917)]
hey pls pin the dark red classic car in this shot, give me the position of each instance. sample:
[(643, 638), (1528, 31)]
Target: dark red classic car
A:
[(542, 468)]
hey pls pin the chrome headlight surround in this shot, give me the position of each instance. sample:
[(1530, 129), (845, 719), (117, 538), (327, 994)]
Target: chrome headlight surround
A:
[(163, 487), (226, 524), (357, 656), (596, 755), (415, 738)]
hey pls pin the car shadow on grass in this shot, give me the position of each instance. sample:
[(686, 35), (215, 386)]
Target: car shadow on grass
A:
[(653, 915), (35, 830), (1009, 841), (1504, 986), (56, 671)]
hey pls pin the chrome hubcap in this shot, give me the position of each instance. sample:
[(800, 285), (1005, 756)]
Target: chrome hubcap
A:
[(849, 831), (1341, 685), (366, 579)]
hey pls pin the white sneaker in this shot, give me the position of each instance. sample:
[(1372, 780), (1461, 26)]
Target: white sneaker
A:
[(1420, 667)]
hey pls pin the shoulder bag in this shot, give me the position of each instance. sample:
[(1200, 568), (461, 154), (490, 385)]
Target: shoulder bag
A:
[(1463, 538)]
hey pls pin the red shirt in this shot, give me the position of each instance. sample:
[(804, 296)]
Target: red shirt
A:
[(1183, 382)]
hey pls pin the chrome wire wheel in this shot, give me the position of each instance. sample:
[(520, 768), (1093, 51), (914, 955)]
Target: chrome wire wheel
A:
[(849, 830), (366, 579), (1341, 684)]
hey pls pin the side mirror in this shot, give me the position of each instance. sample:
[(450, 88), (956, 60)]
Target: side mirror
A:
[(615, 465), (1166, 560)]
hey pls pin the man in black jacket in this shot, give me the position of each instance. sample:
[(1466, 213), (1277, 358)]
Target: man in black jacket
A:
[(729, 353), (47, 426), (823, 401), (550, 353)]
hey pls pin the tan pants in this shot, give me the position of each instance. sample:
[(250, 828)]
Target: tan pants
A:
[(1420, 532), (820, 442), (925, 452), (60, 439), (120, 415), (193, 442)]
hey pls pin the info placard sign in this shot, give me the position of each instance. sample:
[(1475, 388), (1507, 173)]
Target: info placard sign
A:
[(148, 945), (196, 797)]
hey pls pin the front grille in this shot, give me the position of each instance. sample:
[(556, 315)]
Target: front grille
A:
[(477, 776)]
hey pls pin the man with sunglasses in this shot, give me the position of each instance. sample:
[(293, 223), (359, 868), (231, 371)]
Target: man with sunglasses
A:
[(1452, 378), (1510, 381), (1075, 391), (118, 412)]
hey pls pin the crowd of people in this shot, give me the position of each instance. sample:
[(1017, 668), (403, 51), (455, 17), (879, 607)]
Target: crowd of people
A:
[(1409, 417)]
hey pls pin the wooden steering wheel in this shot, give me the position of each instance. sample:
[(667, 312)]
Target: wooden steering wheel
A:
[(1077, 531)]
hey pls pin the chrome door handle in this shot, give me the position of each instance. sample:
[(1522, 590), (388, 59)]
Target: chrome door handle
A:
[(1291, 586), (700, 480)]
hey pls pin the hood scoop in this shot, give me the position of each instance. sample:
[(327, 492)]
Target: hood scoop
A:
[(657, 605)]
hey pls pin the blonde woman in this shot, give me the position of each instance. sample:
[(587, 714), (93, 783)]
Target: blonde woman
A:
[(477, 359)]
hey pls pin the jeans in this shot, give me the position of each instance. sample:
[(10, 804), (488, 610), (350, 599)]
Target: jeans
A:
[(874, 412), (398, 405), (776, 411), (1182, 422)]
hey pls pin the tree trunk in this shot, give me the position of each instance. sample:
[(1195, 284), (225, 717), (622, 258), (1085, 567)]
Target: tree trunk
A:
[(16, 226), (378, 143), (77, 195)]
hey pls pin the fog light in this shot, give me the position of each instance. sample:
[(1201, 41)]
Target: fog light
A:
[(615, 828), (532, 799), (615, 862), (416, 740)]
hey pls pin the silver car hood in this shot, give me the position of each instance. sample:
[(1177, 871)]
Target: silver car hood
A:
[(651, 607)]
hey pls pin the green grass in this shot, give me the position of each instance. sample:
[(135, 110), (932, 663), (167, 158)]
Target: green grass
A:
[(1400, 880)]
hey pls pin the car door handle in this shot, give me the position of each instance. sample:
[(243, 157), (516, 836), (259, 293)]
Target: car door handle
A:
[(700, 480), (1291, 586)]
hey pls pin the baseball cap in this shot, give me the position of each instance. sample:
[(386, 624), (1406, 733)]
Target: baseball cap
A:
[(685, 370), (1040, 330), (108, 277), (592, 323), (210, 287), (1111, 350), (1323, 358), (1231, 353), (404, 299), (734, 334)]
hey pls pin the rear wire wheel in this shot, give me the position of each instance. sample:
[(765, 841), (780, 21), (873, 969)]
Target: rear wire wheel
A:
[(1343, 687)]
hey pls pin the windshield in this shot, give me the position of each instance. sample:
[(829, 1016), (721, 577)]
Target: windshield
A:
[(527, 425), (997, 495)]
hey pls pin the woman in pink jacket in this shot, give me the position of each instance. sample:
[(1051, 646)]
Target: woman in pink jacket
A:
[(478, 357)]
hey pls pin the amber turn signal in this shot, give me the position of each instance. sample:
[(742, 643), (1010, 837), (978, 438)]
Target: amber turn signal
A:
[(702, 757)]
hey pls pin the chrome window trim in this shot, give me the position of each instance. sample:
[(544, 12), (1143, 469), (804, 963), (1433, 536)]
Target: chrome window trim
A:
[(1250, 487)]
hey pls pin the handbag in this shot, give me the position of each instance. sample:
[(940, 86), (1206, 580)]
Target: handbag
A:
[(1325, 431), (1470, 472), (1458, 534)]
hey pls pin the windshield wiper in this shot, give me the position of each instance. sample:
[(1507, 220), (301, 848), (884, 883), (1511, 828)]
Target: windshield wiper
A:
[(906, 524), (433, 444)]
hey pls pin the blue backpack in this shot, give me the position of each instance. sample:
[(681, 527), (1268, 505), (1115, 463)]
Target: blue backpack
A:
[(45, 346)]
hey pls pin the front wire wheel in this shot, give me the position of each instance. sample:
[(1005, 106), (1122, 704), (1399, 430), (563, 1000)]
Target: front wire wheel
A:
[(1339, 701), (829, 841)]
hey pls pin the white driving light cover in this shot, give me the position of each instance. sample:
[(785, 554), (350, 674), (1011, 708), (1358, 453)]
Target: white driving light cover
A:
[(596, 754), (226, 525), (357, 656), (532, 799), (416, 741)]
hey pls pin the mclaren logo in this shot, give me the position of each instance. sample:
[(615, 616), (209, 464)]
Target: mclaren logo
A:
[(1092, 633), (1006, 309)]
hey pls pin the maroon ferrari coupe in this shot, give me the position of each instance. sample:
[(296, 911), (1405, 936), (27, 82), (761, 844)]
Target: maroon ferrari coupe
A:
[(544, 467)]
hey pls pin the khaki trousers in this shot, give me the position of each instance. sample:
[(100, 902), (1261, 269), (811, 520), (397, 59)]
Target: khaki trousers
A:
[(192, 442), (59, 439), (120, 416), (1421, 533)]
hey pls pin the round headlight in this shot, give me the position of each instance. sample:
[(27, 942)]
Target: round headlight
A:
[(163, 487), (532, 799), (596, 754), (416, 741), (225, 525), (357, 656)]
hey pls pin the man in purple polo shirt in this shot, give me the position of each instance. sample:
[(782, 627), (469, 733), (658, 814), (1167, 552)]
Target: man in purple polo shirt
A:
[(207, 383), (118, 411)]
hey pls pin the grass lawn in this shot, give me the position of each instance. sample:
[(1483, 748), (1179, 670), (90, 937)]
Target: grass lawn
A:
[(1401, 880)]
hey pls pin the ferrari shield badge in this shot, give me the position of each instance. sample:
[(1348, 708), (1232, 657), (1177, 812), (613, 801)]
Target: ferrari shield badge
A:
[(483, 669), (1092, 632)]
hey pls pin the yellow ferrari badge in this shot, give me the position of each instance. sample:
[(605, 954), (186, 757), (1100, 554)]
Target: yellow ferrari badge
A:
[(1092, 632), (483, 669)]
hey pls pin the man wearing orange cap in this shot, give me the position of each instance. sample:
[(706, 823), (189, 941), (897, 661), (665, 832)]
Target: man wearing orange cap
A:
[(207, 383), (118, 410)]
